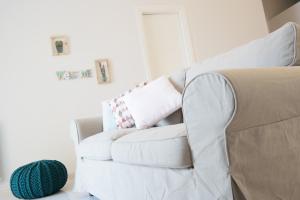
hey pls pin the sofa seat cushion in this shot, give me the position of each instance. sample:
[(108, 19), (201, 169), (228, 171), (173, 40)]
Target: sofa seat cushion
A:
[(98, 146), (156, 147)]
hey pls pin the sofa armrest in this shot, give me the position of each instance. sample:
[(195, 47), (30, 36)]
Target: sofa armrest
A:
[(208, 105), (85, 127), (240, 124), (264, 96), (263, 136)]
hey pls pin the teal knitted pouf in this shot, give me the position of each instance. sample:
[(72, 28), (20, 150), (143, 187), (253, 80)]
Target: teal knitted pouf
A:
[(38, 179)]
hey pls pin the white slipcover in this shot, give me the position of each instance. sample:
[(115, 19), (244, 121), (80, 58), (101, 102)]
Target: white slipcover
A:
[(208, 106)]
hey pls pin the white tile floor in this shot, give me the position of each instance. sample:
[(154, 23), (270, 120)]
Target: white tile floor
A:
[(65, 194)]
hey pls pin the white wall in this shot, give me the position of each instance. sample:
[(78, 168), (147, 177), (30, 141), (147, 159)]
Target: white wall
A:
[(35, 108), (274, 7), (217, 26), (279, 12), (291, 14)]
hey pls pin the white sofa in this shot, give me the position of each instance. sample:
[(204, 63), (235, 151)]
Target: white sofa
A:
[(185, 161)]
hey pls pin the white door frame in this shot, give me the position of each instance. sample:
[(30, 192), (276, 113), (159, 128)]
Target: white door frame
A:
[(179, 10)]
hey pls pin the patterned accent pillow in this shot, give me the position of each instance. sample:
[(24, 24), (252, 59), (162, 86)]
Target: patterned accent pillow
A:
[(120, 110)]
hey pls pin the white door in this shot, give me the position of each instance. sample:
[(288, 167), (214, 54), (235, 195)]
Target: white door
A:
[(165, 44)]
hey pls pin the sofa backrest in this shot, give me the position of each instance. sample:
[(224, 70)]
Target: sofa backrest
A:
[(280, 48), (178, 80)]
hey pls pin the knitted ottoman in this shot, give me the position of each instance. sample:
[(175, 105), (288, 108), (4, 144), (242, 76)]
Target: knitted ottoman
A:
[(38, 179)]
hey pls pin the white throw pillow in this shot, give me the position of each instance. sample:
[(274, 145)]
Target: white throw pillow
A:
[(153, 102)]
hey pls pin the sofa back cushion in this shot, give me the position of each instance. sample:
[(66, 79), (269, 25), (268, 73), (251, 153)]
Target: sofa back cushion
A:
[(109, 121), (280, 48), (178, 81)]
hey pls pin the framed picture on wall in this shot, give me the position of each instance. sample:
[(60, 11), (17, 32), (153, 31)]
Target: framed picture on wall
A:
[(102, 70), (60, 45)]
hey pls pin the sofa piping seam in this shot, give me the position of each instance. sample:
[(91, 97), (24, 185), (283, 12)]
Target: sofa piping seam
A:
[(295, 46)]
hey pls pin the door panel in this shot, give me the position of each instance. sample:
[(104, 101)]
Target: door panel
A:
[(164, 43)]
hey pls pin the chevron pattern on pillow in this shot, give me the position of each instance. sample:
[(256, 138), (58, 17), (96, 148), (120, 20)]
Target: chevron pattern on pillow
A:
[(122, 115)]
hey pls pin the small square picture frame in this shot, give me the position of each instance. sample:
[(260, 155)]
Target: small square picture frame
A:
[(102, 71), (60, 45)]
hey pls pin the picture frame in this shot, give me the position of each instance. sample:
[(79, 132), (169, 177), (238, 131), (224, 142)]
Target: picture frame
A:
[(60, 45), (102, 71)]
